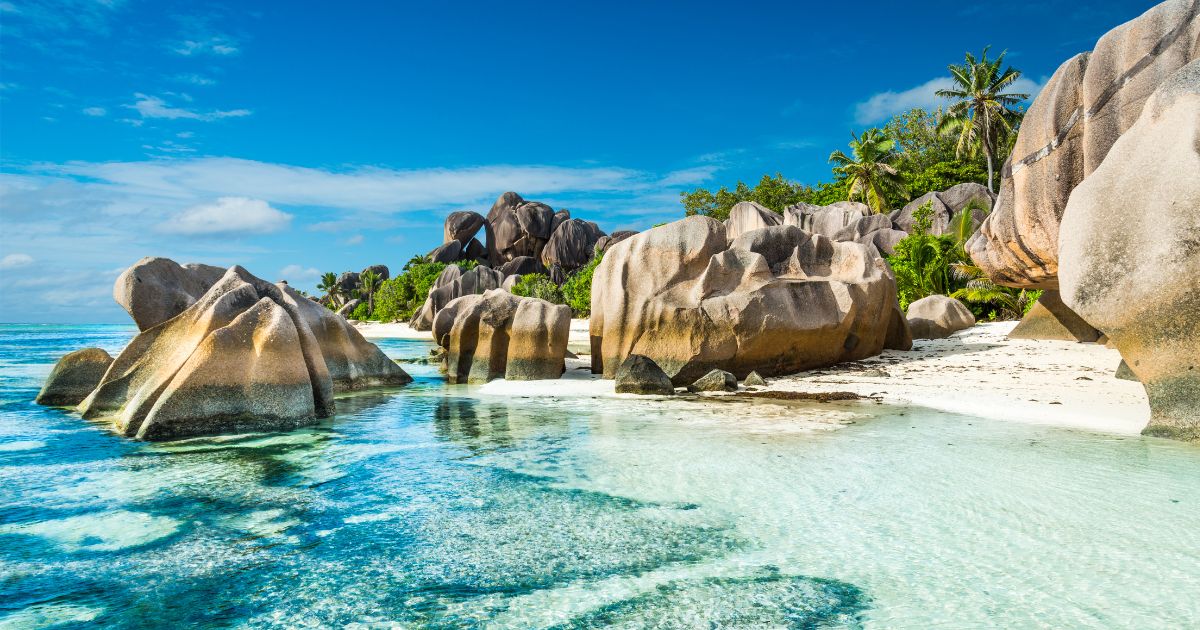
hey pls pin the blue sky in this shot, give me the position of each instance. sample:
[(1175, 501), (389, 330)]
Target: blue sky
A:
[(298, 137)]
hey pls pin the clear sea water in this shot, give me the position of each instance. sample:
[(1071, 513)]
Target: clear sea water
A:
[(439, 506)]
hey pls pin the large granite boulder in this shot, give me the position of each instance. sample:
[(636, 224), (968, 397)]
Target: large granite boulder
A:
[(560, 217), (516, 227), (1129, 250), (381, 271), (776, 300), (825, 220), (154, 290), (520, 266), (451, 284), (641, 375), (938, 317), (501, 335), (246, 355), (348, 282), (446, 253), (745, 216), (1051, 319), (348, 308), (1066, 133), (74, 377), (572, 245), (462, 226)]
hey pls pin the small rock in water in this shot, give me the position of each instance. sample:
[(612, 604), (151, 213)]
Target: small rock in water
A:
[(641, 375), (74, 377), (715, 381), (754, 379)]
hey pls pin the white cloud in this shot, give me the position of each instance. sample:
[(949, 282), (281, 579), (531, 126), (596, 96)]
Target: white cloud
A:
[(195, 79), (884, 105), (214, 45), (12, 261), (95, 111), (228, 216), (688, 176), (155, 107), (357, 239), (296, 274)]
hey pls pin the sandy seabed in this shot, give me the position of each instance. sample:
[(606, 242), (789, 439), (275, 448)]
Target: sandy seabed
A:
[(978, 372)]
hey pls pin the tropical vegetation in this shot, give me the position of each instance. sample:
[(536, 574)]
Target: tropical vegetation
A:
[(868, 170)]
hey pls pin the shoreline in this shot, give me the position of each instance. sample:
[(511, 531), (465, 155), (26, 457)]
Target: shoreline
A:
[(978, 372)]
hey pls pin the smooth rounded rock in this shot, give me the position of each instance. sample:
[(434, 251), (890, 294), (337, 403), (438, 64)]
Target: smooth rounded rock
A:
[(74, 377)]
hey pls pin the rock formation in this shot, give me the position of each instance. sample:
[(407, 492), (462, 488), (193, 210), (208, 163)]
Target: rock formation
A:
[(938, 317), (745, 216), (641, 375), (451, 284), (516, 227), (605, 242), (825, 220), (572, 244), (1068, 130), (501, 335), (154, 290), (462, 226), (776, 300), (244, 355), (947, 205), (1129, 250), (74, 377), (714, 381), (1051, 319)]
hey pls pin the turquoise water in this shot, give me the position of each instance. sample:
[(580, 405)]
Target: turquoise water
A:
[(440, 506)]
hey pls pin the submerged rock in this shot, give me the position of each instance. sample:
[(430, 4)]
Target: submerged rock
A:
[(641, 375), (714, 381), (501, 335), (247, 355), (938, 317), (74, 377), (776, 300), (1129, 251)]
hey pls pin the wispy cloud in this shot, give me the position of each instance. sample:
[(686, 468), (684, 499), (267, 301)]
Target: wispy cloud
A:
[(211, 45), (881, 106), (357, 239), (296, 274), (689, 176), (12, 261), (194, 79), (95, 111), (228, 215), (155, 107)]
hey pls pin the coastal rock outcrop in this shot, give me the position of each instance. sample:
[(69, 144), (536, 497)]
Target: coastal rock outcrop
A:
[(776, 300), (605, 242), (1067, 132), (74, 377), (938, 317), (245, 355), (501, 335), (641, 375), (572, 244), (154, 290), (516, 227), (1049, 318), (825, 220), (1129, 251), (451, 284), (745, 216), (462, 226), (946, 206)]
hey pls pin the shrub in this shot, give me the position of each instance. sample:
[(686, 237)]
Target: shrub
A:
[(923, 262), (538, 285), (398, 298), (361, 312), (577, 290)]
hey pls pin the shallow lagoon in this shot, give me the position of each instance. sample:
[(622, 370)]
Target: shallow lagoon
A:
[(439, 506)]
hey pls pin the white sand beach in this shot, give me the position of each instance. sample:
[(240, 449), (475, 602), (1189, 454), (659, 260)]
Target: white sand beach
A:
[(978, 372)]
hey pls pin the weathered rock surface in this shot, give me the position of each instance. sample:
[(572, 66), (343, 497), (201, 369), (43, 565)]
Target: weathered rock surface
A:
[(776, 300), (246, 355), (381, 271), (605, 242), (348, 282), (1067, 133), (714, 381), (1051, 319), (154, 290), (825, 220), (641, 375), (348, 308), (1129, 250), (521, 265), (446, 253), (501, 335), (754, 379), (572, 245), (516, 227), (938, 317), (560, 217), (745, 216), (462, 226), (451, 284), (74, 377)]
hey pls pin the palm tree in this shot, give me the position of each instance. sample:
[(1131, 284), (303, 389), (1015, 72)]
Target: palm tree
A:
[(980, 111), (869, 173), (979, 289), (369, 281), (329, 285)]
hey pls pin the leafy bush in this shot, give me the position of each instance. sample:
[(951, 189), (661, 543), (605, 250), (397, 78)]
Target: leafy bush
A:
[(398, 298), (538, 285), (923, 262), (361, 312), (577, 290)]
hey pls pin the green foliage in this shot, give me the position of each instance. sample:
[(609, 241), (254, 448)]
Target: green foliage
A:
[(368, 282), (467, 265), (361, 312), (989, 300), (923, 262), (1034, 296), (942, 175), (397, 299), (538, 285), (577, 290), (869, 172), (774, 192)]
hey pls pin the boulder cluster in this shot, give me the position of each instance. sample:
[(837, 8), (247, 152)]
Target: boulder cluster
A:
[(219, 351), (774, 299), (1100, 205), (851, 221), (523, 237), (501, 335)]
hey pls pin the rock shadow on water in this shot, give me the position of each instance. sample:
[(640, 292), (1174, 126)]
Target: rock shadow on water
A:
[(766, 600)]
